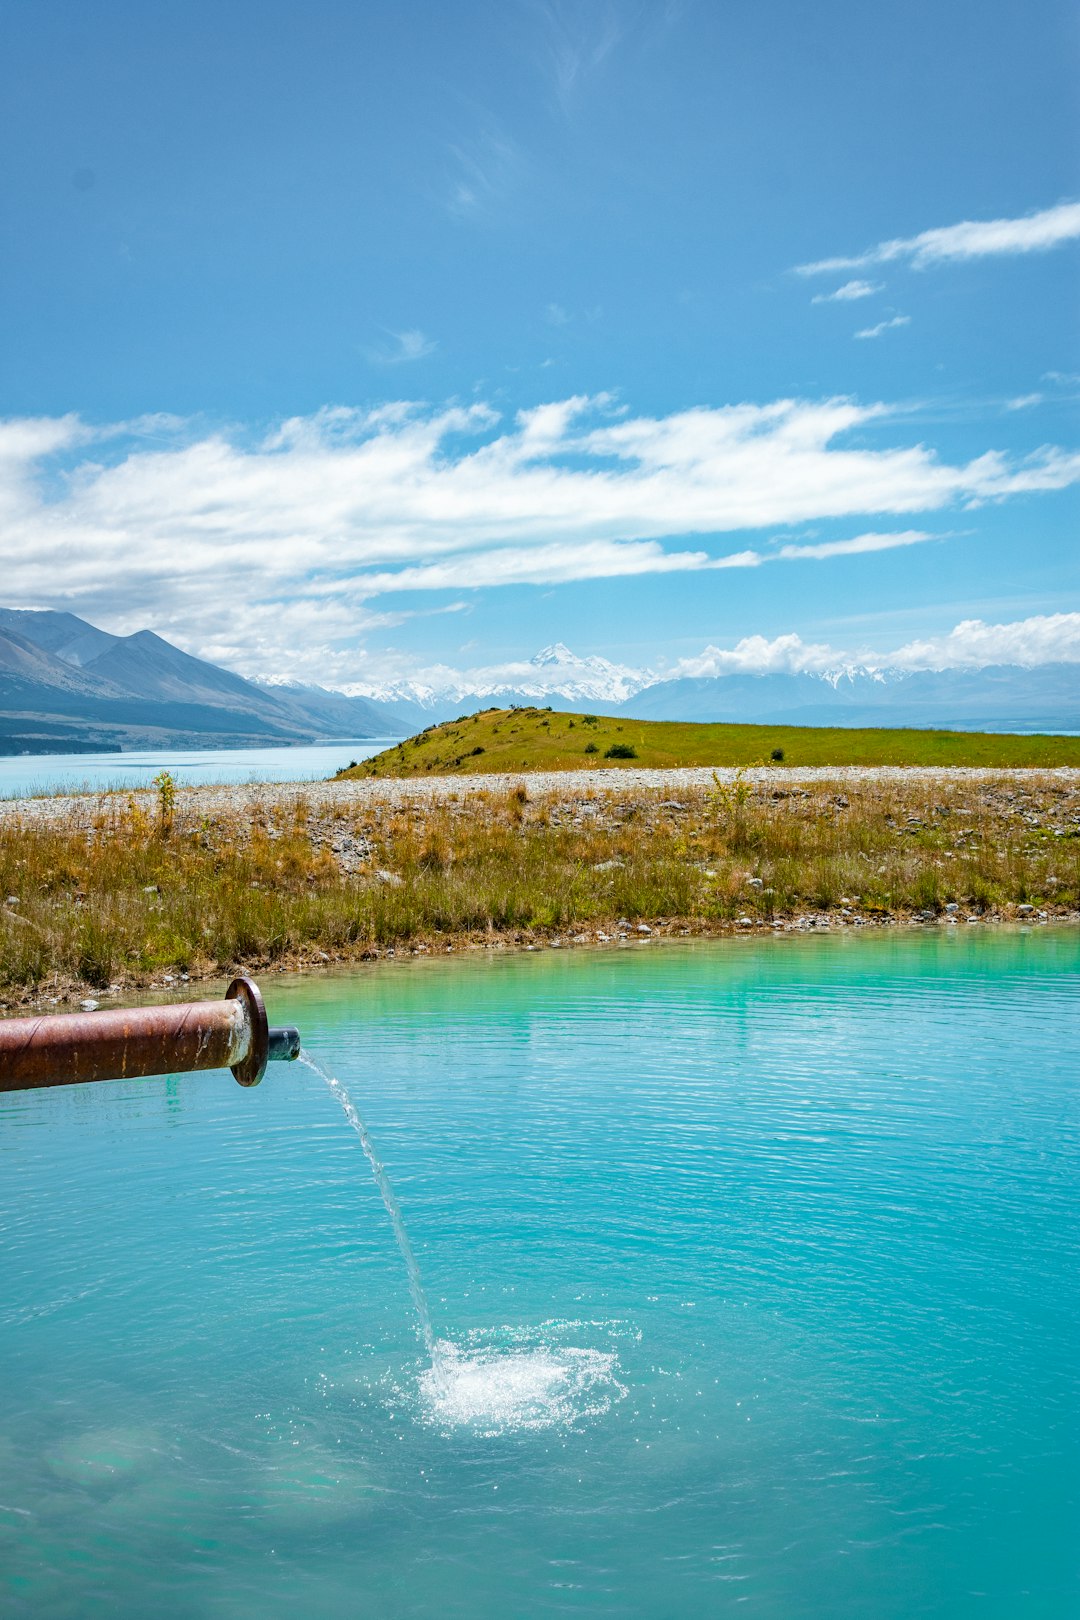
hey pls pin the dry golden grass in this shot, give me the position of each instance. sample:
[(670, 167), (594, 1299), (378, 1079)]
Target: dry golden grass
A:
[(119, 898)]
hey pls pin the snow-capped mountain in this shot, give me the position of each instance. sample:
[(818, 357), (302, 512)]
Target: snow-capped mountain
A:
[(845, 693), (554, 675)]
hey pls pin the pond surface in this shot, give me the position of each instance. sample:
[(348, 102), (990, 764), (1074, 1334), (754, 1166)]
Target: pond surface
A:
[(23, 774), (759, 1261)]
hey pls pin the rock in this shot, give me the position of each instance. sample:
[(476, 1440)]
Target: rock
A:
[(1025, 911), (746, 922), (643, 928), (755, 883), (394, 879), (952, 908), (89, 1005), (607, 866)]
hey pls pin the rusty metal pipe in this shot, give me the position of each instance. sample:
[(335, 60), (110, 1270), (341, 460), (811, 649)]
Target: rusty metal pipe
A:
[(129, 1043)]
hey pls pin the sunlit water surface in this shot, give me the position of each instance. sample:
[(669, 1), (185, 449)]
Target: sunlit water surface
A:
[(23, 774), (752, 1266)]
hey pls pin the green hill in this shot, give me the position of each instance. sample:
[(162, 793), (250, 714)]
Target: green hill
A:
[(541, 740)]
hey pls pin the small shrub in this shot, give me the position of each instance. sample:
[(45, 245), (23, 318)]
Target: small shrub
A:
[(591, 748), (165, 783), (620, 751), (777, 756)]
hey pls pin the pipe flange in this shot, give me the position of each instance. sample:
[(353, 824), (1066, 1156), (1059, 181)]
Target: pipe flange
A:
[(251, 1068)]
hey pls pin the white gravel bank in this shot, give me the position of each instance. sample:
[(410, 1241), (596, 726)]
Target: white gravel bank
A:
[(209, 801)]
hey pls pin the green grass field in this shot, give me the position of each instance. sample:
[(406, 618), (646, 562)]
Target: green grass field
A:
[(540, 740)]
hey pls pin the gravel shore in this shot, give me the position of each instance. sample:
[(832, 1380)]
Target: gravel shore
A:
[(323, 796)]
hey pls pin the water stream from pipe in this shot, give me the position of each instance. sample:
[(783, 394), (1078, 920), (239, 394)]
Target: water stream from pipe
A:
[(393, 1208), (500, 1380)]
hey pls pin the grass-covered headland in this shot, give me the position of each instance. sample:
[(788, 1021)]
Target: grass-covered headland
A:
[(540, 739), (130, 890)]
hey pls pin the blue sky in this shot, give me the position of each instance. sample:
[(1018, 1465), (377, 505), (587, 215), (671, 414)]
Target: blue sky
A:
[(301, 296)]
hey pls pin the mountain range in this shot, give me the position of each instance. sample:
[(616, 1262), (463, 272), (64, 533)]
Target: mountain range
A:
[(68, 687), (1006, 697)]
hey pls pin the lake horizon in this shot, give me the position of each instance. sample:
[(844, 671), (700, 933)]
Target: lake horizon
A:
[(33, 775)]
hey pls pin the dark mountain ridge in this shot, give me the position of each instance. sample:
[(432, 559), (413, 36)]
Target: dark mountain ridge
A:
[(66, 686)]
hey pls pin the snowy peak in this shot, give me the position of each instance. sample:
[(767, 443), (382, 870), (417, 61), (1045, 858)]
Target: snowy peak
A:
[(553, 672), (558, 653)]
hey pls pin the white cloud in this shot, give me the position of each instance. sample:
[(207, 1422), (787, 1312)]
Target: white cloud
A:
[(852, 548), (1044, 639), (1023, 402), (310, 524), (971, 239), (884, 326), (972, 644), (850, 291)]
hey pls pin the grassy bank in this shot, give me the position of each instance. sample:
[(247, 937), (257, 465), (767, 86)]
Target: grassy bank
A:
[(538, 739), (121, 897)]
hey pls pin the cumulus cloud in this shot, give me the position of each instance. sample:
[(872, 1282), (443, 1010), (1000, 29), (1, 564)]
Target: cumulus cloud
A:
[(312, 523), (971, 239), (972, 644), (884, 326), (850, 291)]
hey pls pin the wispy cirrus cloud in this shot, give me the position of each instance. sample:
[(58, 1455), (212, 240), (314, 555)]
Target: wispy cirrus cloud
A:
[(1024, 402), (970, 239), (484, 167), (849, 292), (575, 41), (884, 326), (404, 347), (326, 516), (857, 546)]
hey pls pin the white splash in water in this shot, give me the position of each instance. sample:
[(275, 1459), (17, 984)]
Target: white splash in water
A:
[(495, 1390)]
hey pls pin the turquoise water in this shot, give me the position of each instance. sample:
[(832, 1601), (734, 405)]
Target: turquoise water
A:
[(758, 1262), (23, 774)]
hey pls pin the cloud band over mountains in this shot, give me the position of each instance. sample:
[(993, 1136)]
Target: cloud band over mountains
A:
[(320, 520)]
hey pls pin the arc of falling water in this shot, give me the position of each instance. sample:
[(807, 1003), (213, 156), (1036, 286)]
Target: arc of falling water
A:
[(393, 1208)]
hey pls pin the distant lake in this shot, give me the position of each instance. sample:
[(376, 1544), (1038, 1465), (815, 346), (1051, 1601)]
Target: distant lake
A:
[(23, 774)]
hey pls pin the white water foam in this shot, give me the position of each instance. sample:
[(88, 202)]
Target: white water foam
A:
[(493, 1389)]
